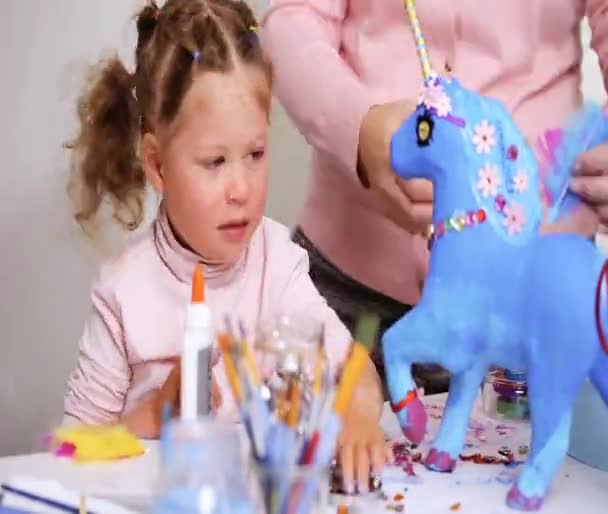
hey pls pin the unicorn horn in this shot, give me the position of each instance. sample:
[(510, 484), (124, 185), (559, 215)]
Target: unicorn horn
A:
[(423, 57)]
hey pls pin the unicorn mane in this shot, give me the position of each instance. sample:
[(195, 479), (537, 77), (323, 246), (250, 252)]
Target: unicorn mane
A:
[(560, 148)]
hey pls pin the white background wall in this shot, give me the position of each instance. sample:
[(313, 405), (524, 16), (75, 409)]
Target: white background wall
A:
[(45, 267)]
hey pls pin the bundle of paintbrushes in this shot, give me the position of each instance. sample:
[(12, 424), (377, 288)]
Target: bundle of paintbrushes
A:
[(291, 406)]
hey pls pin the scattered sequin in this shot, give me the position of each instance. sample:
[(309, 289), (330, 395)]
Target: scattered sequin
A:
[(478, 458), (500, 202), (505, 451)]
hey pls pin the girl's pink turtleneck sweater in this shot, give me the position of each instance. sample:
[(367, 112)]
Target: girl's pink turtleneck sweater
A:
[(138, 311)]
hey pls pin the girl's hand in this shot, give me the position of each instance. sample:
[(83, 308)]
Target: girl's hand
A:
[(409, 203), (145, 421), (361, 451)]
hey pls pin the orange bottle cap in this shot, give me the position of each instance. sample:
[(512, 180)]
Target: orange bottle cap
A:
[(198, 285)]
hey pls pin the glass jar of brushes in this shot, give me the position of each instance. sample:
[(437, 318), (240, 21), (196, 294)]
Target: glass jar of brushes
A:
[(296, 385)]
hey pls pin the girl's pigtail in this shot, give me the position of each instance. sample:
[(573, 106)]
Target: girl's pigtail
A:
[(105, 161)]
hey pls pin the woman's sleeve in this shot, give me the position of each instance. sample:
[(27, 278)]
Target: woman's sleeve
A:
[(318, 89), (97, 388), (597, 14), (300, 298)]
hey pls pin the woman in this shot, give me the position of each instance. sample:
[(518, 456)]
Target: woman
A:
[(347, 73)]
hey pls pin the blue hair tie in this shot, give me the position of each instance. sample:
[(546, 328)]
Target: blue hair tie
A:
[(196, 55)]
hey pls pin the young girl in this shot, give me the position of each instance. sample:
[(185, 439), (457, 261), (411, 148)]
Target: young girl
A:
[(193, 121)]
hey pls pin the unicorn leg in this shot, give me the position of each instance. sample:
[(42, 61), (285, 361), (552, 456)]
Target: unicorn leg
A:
[(464, 388), (547, 454), (551, 393), (411, 339)]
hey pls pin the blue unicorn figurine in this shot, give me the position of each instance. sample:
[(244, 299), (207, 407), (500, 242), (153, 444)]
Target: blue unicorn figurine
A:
[(499, 293)]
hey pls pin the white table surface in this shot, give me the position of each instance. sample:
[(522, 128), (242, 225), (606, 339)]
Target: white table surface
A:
[(478, 488)]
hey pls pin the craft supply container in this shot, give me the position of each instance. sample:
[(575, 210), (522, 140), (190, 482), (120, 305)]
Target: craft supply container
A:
[(505, 395), (291, 490), (204, 469)]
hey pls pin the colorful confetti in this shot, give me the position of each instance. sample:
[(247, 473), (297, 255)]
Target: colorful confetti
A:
[(505, 451), (478, 458), (405, 455)]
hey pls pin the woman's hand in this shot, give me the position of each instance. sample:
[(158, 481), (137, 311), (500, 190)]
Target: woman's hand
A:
[(145, 421), (590, 181), (361, 452), (409, 203)]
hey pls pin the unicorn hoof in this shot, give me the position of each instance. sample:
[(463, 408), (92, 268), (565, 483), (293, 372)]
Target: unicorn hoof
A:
[(440, 461), (415, 427), (518, 501)]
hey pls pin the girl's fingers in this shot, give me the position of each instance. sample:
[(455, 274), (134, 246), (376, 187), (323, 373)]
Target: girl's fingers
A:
[(346, 459), (362, 469)]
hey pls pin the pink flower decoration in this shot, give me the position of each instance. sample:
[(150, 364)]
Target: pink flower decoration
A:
[(434, 97), (520, 181), (443, 105), (484, 138), (489, 180), (515, 218)]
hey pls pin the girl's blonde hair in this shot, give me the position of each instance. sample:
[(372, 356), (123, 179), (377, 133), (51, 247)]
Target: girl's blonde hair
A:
[(174, 43)]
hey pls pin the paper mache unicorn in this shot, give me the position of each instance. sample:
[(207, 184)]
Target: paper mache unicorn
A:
[(498, 293)]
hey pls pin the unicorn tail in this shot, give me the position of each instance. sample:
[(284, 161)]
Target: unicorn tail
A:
[(601, 280), (559, 149), (599, 371)]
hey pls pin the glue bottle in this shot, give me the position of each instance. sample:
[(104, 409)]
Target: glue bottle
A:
[(196, 380)]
